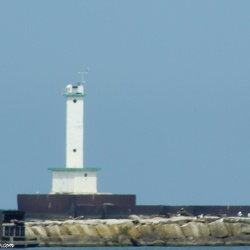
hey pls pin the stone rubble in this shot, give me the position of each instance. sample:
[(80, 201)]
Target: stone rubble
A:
[(140, 231)]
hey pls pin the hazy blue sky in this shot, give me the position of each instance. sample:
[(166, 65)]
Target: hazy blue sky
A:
[(167, 106)]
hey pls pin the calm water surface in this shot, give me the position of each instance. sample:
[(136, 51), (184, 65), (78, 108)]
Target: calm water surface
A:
[(143, 248)]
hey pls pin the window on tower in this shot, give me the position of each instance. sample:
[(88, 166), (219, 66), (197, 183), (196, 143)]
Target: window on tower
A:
[(74, 150), (74, 100)]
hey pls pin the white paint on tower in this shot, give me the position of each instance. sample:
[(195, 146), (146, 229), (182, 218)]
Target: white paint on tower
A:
[(74, 126)]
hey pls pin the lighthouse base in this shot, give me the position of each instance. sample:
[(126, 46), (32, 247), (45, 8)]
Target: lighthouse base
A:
[(63, 206), (74, 180)]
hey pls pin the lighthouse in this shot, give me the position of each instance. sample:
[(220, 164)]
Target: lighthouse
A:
[(74, 186), (74, 177)]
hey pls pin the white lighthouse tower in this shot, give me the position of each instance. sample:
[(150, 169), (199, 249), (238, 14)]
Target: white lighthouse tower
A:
[(75, 177)]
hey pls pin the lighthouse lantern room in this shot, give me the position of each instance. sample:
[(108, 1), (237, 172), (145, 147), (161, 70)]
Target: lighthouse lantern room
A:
[(75, 177)]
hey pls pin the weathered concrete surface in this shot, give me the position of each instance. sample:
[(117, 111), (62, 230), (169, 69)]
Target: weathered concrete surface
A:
[(175, 231)]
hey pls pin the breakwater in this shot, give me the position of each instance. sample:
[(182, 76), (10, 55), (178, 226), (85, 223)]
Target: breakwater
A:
[(138, 231)]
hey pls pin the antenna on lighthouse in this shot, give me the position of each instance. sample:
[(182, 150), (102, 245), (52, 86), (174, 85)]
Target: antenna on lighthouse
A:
[(86, 71)]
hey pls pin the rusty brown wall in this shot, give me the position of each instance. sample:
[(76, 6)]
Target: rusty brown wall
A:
[(63, 205)]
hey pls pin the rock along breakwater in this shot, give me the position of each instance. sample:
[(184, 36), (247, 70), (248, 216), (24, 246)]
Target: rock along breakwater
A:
[(137, 231)]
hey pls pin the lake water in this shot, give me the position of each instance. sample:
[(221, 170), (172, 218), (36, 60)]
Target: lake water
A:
[(145, 248)]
